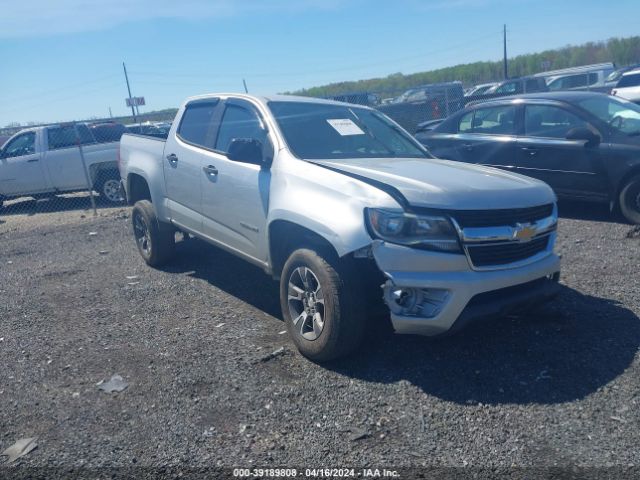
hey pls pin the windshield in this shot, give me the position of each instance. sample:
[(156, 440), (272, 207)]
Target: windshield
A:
[(621, 115), (324, 131)]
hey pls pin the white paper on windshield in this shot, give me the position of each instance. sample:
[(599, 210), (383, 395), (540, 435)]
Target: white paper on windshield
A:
[(345, 126)]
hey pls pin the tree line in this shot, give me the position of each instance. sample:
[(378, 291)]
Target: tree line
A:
[(620, 51)]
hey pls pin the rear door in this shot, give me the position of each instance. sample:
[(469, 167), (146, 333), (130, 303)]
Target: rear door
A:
[(570, 167), (21, 167), (235, 195), (183, 152), (62, 157), (485, 135)]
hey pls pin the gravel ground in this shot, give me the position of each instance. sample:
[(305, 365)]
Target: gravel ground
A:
[(558, 386)]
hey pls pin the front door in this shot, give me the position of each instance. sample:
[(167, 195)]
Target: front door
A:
[(20, 167), (570, 167), (235, 195)]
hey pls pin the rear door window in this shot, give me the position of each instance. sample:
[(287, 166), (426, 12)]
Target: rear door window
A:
[(499, 120), (198, 126)]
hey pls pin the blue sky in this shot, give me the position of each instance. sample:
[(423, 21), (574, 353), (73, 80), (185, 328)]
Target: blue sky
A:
[(62, 60)]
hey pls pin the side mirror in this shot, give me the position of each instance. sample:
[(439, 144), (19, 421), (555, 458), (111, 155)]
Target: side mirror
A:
[(582, 133), (247, 150)]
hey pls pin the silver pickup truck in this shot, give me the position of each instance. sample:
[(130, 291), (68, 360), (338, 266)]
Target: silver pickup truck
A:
[(45, 161), (346, 209)]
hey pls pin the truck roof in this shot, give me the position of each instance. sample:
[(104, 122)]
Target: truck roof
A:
[(264, 99)]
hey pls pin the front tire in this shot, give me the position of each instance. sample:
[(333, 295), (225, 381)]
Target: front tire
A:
[(155, 239), (319, 300), (630, 200)]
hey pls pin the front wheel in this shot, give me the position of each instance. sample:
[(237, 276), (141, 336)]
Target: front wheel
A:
[(155, 239), (319, 303), (630, 200)]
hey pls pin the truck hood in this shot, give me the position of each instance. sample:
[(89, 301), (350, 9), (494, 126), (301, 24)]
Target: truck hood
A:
[(446, 184)]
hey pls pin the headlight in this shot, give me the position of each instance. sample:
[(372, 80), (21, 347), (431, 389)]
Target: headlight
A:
[(431, 232)]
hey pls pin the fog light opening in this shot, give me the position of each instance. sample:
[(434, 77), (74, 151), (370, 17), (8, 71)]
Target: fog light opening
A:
[(419, 302)]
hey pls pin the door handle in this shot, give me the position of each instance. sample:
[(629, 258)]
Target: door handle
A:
[(33, 160), (531, 151), (468, 146), (210, 170), (173, 159)]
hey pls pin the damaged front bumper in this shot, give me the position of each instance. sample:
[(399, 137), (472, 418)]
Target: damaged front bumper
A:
[(432, 293)]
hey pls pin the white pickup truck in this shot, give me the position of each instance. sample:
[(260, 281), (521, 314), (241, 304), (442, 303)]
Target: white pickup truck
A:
[(336, 201), (44, 161)]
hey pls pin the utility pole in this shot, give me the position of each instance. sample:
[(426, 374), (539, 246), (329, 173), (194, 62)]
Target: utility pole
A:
[(246, 90), (110, 114), (504, 37), (126, 77)]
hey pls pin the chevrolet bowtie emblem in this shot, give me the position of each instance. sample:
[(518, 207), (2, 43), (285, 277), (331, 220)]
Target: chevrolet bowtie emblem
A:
[(524, 232)]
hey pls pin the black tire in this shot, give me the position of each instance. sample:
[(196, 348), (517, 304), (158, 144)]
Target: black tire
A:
[(341, 309), (108, 186), (629, 200), (155, 239)]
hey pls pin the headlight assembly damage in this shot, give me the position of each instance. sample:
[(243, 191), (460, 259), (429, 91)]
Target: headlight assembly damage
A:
[(431, 232)]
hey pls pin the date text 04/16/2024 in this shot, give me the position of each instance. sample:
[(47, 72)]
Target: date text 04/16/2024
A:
[(315, 473)]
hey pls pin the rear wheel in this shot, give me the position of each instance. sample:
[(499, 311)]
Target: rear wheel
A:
[(109, 189), (155, 239), (630, 200), (319, 301)]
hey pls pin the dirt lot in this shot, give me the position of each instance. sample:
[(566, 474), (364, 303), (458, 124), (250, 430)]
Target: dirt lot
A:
[(555, 387)]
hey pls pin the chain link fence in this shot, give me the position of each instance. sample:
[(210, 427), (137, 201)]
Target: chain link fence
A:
[(73, 166), (65, 166)]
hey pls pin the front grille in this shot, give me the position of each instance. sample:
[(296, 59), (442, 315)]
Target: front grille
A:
[(505, 253), (501, 217)]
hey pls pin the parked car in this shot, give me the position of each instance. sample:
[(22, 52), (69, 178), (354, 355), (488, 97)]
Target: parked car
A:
[(424, 103), (335, 200), (513, 86), (591, 81), (105, 132), (585, 77), (628, 86), (516, 86), (46, 161), (612, 80), (585, 145), (479, 89)]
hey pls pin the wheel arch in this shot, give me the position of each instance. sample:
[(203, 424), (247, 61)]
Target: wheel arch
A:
[(286, 236), (137, 189), (632, 172)]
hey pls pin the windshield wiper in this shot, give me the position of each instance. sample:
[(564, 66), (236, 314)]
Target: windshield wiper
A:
[(634, 134)]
